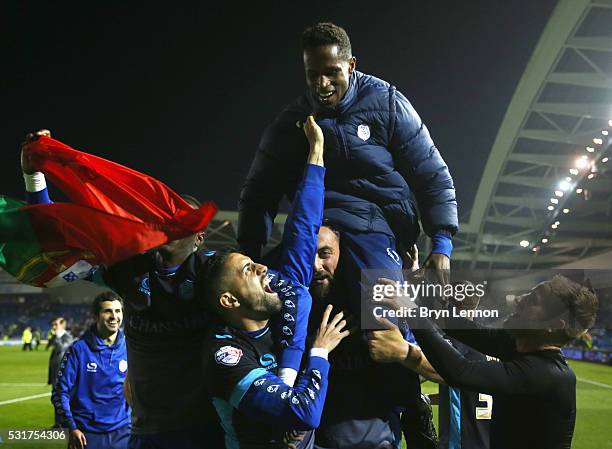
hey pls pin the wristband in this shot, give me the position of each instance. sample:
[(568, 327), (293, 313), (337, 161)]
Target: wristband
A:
[(34, 182), (319, 352)]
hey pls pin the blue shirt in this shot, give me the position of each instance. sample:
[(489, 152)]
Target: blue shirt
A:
[(88, 393)]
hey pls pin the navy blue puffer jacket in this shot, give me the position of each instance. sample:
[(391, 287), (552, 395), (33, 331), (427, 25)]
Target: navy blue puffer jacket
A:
[(378, 153)]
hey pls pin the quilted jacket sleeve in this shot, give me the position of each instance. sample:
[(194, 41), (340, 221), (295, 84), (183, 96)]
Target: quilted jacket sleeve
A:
[(420, 163)]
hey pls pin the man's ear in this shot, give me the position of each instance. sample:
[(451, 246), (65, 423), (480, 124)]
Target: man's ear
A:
[(199, 239), (352, 64), (228, 301)]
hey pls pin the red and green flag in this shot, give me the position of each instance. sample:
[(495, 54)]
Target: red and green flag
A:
[(115, 213)]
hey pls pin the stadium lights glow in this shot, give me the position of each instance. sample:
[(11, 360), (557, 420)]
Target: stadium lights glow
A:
[(605, 132), (558, 193), (557, 223), (524, 243), (565, 185), (604, 160), (597, 141), (554, 200), (568, 179), (551, 208), (591, 176), (566, 211), (581, 163), (610, 122), (544, 240), (573, 171), (590, 149), (554, 226), (578, 191), (535, 249)]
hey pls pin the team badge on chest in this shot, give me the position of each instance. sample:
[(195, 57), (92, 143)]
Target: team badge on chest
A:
[(363, 132)]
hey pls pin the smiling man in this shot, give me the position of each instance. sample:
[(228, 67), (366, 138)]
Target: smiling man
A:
[(379, 158), (533, 386), (378, 155), (258, 404), (88, 395)]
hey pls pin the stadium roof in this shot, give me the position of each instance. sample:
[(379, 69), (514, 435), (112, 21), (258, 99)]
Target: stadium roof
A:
[(545, 196)]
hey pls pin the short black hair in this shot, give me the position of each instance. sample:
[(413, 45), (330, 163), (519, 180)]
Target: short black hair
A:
[(327, 33), (210, 279), (327, 223), (106, 296)]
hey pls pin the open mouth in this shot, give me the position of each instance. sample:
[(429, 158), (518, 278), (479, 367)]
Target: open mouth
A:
[(266, 286), (325, 96)]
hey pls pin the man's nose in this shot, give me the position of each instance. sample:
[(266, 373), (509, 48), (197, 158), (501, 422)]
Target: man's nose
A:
[(318, 264), (261, 269), (324, 81)]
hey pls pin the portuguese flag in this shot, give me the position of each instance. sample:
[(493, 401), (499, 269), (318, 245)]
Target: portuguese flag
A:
[(115, 213)]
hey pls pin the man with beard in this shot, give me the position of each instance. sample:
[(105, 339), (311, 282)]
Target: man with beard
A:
[(164, 330), (258, 408), (355, 416), (379, 155), (87, 395), (534, 388)]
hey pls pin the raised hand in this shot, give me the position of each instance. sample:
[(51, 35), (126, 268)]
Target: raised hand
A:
[(330, 333), (315, 139), (27, 165)]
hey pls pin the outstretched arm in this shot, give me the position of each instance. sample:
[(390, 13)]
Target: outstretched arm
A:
[(298, 252), (301, 231)]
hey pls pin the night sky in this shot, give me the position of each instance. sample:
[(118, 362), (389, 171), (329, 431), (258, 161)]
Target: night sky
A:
[(184, 93)]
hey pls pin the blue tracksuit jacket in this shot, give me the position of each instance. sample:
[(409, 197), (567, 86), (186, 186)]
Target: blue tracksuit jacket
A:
[(88, 393)]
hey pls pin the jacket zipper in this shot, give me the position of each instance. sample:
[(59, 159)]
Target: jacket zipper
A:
[(342, 141)]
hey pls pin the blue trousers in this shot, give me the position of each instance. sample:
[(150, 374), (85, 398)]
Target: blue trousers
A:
[(117, 439), (365, 257)]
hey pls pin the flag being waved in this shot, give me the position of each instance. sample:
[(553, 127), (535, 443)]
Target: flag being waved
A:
[(115, 213)]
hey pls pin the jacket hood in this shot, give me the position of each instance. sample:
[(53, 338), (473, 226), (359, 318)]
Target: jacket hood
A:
[(95, 343)]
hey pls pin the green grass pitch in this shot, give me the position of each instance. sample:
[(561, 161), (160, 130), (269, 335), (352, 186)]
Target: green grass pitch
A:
[(24, 374)]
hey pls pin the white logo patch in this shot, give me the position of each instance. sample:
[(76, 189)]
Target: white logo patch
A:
[(289, 317), (316, 384), (92, 367), (123, 366), (311, 393), (289, 304), (259, 382), (285, 394), (363, 132), (287, 331), (295, 400), (272, 388), (393, 255), (317, 373), (228, 355)]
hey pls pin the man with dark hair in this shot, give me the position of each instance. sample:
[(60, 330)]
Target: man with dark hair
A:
[(87, 395), (257, 407), (378, 153), (531, 372), (60, 341), (353, 415), (164, 330)]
